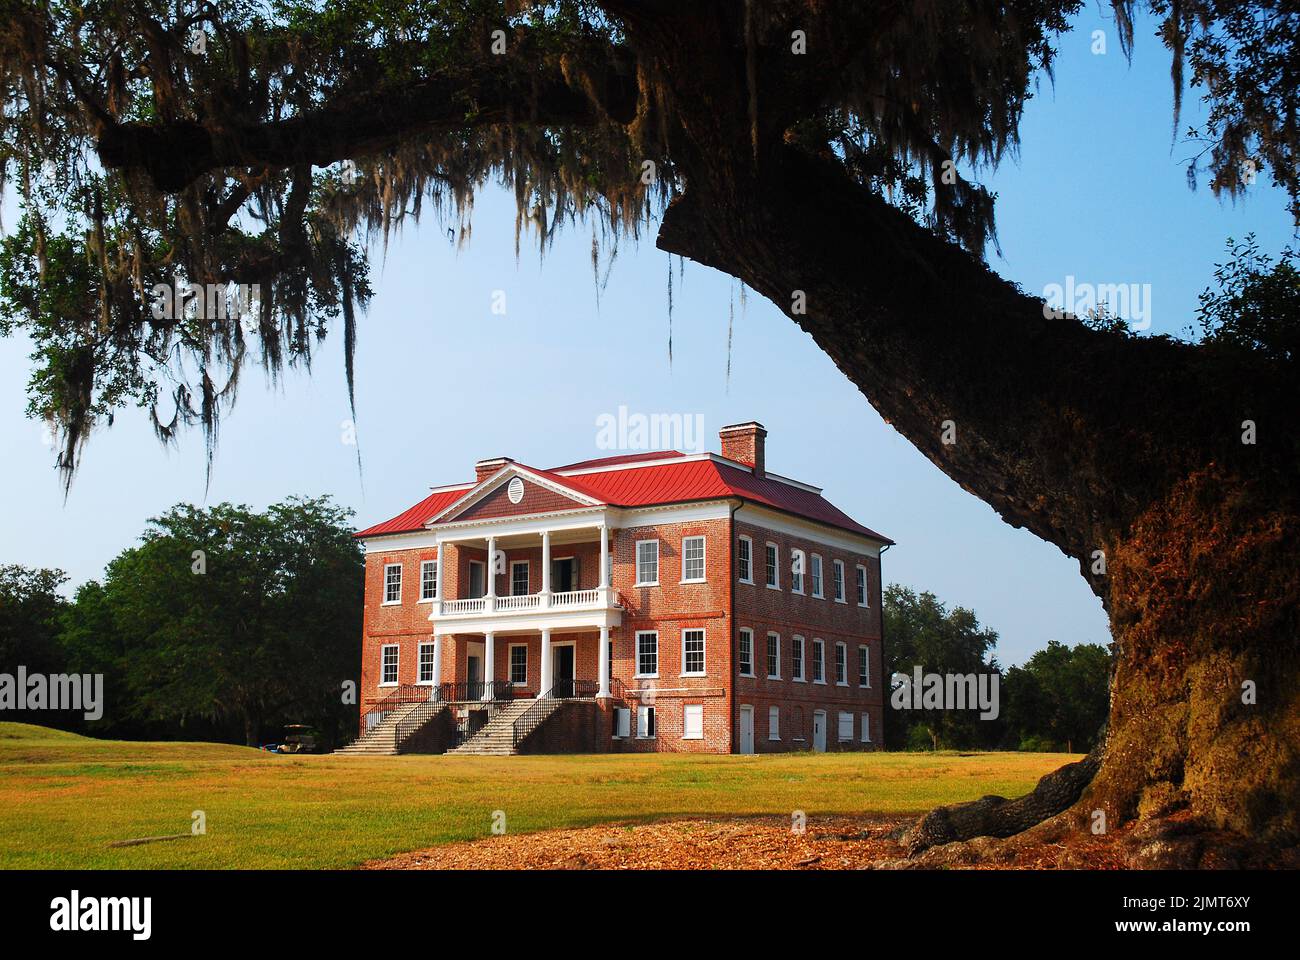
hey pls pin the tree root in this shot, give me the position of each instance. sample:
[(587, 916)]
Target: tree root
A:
[(999, 817)]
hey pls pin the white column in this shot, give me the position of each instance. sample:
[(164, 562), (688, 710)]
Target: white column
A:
[(489, 663), (604, 662), (604, 559), (490, 572), (546, 663), (437, 652), (546, 568)]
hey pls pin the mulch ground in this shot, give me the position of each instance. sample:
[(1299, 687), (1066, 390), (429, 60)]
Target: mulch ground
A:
[(737, 843)]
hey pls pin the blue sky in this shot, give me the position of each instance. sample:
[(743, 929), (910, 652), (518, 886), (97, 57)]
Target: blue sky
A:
[(441, 381)]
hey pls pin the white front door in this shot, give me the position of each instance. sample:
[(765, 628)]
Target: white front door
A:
[(819, 731), (746, 729)]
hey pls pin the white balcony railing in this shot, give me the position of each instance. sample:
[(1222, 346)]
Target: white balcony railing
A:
[(575, 598), (596, 599), (453, 607)]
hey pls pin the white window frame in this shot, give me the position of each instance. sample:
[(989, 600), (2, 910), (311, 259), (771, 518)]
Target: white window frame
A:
[(797, 580), (510, 664), (643, 713), (744, 633), (528, 576), (797, 643), (704, 570), (425, 565), (866, 728), (841, 663), (864, 592), (689, 709), (864, 667), (749, 542), (817, 574), (839, 727), (393, 603), (419, 662), (637, 652), (767, 655), (383, 664), (774, 569), (819, 660), (639, 581), (622, 723), (704, 647), (838, 585), (774, 723)]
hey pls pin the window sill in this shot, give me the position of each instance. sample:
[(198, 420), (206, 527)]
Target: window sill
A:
[(841, 683), (647, 583), (798, 680), (684, 737), (744, 581), (692, 676), (818, 596), (773, 586), (820, 683), (774, 676), (645, 676), (694, 580), (748, 676), (391, 603), (840, 601), (426, 600)]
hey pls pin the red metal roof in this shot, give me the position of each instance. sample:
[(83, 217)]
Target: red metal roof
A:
[(623, 458), (678, 481)]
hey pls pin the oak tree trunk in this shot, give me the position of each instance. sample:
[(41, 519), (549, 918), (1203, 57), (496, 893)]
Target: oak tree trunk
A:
[(1126, 452)]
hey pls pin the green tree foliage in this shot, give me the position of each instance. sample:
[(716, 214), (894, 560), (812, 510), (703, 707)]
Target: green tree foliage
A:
[(1059, 699), (229, 619), (245, 142), (921, 631), (30, 608), (1255, 304)]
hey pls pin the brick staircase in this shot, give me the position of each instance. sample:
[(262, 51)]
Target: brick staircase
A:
[(381, 740), (496, 737)]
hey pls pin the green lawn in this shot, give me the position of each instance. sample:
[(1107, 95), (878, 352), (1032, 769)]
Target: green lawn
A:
[(64, 798)]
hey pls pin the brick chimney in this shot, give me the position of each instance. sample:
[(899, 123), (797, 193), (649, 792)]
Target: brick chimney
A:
[(744, 442), (485, 468)]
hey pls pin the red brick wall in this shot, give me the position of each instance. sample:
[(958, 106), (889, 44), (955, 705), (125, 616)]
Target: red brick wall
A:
[(787, 613), (670, 608), (536, 499), (405, 624)]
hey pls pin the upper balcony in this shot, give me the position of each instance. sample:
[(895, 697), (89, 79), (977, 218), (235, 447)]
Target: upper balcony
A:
[(599, 598)]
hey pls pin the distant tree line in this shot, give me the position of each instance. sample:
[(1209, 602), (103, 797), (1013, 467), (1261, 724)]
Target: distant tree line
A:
[(223, 623), (1057, 701)]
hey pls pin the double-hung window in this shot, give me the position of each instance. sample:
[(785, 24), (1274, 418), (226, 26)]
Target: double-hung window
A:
[(797, 563), (841, 664), (772, 564), (647, 562), (864, 667), (818, 661), (862, 586), (518, 578), (774, 656), (745, 560), (519, 665), (388, 668), (837, 575), (745, 651), (816, 569), (426, 663), (692, 653), (692, 559), (647, 653), (428, 579), (796, 657), (392, 583)]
